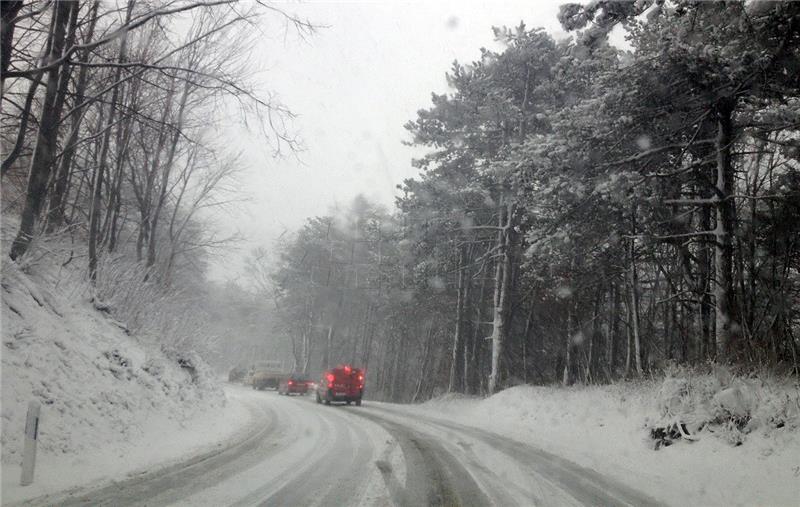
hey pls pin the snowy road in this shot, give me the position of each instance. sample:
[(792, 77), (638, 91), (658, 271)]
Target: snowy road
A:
[(300, 453)]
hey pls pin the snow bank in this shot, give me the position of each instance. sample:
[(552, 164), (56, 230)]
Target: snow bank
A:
[(104, 394), (607, 428)]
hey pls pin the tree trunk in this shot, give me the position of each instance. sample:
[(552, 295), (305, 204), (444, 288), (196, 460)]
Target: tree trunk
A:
[(146, 230), (9, 10), (44, 153), (723, 249), (525, 338), (94, 217), (465, 347), (327, 361), (426, 348), (12, 156), (472, 381), (637, 344), (629, 338), (115, 202), (366, 341), (668, 320), (502, 294), (451, 385), (567, 377), (151, 246), (57, 205), (704, 297), (613, 330), (395, 364)]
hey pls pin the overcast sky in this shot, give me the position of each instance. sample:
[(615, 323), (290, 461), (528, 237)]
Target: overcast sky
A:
[(353, 85)]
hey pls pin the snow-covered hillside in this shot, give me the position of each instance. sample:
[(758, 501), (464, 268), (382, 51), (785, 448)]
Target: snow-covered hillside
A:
[(105, 396), (607, 428)]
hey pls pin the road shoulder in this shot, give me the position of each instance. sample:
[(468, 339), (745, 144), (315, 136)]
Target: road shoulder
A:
[(163, 445)]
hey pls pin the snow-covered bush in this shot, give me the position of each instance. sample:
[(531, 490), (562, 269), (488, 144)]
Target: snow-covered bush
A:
[(166, 309), (690, 402), (199, 371), (170, 315)]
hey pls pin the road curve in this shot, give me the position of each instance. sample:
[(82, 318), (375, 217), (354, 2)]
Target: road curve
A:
[(511, 472), (298, 453)]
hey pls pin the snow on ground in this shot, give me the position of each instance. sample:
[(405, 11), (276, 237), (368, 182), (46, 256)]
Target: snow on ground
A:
[(605, 428), (110, 403)]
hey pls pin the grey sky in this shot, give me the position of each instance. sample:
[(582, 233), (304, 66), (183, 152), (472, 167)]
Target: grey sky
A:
[(354, 84)]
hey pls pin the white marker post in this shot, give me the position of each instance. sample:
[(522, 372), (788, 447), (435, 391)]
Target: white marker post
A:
[(29, 451)]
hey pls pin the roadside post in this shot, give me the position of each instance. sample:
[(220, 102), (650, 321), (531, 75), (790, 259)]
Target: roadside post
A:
[(29, 451)]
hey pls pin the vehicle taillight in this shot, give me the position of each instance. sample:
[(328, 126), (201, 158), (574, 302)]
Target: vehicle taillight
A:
[(330, 377), (291, 383), (347, 369)]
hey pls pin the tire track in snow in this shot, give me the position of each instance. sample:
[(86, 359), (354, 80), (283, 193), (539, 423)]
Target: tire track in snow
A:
[(434, 476), (323, 459), (586, 486), (335, 477), (164, 485), (291, 475)]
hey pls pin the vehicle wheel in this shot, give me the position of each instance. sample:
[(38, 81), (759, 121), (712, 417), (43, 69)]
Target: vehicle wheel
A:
[(327, 401), (358, 402)]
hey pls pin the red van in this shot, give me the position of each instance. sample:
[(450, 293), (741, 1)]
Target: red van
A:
[(343, 383), (296, 383)]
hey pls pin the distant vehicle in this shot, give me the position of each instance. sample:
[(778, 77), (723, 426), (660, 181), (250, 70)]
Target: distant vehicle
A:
[(343, 383), (296, 383), (266, 380), (237, 374), (266, 375)]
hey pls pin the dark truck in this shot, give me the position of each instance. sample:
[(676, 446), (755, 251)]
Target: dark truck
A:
[(343, 383)]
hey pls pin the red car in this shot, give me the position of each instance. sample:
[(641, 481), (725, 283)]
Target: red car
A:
[(294, 384), (343, 383)]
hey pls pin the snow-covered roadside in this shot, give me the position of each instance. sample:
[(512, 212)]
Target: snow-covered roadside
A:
[(603, 428), (111, 403), (162, 442)]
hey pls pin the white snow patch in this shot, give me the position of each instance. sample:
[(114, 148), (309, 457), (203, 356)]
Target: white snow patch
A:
[(111, 403), (606, 428)]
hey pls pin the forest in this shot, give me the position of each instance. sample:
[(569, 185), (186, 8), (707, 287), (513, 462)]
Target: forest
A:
[(113, 169), (583, 213)]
